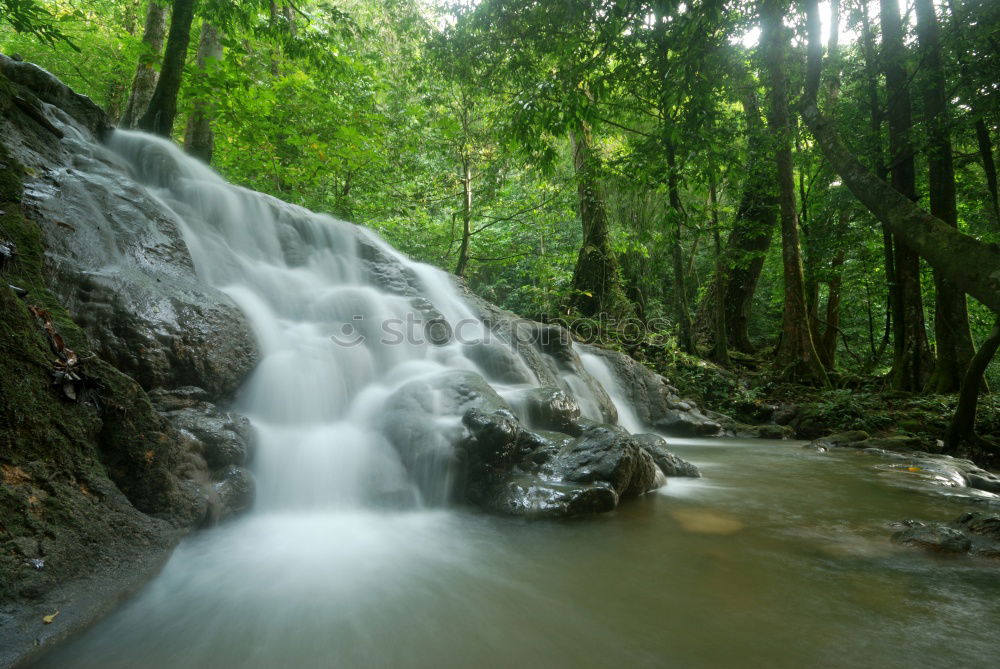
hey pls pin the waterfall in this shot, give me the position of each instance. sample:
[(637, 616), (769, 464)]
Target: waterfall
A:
[(341, 320)]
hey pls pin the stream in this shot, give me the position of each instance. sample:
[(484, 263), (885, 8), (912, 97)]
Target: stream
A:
[(353, 556), (778, 557)]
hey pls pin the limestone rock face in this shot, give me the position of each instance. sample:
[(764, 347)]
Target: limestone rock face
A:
[(115, 256)]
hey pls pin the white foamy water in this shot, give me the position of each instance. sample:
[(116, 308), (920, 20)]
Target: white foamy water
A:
[(336, 346)]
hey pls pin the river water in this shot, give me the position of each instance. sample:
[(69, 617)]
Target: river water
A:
[(778, 557)]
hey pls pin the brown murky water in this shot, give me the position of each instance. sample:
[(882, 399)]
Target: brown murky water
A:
[(779, 557)]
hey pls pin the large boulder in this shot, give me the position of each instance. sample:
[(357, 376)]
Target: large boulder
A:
[(422, 422), (510, 469)]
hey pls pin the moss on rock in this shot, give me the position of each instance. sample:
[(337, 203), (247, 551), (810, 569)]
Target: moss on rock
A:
[(89, 483)]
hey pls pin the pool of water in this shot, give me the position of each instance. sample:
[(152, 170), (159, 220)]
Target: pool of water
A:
[(778, 557)]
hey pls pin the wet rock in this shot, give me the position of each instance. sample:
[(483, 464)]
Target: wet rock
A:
[(116, 259), (498, 362), (385, 271), (975, 533), (982, 480), (545, 354), (494, 436), (226, 437), (535, 497), (513, 470), (551, 409), (668, 462), (982, 524), (843, 439), (423, 423), (937, 538), (607, 454), (655, 400), (234, 490), (54, 92), (680, 423)]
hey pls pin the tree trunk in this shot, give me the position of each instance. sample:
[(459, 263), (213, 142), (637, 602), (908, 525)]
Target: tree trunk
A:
[(827, 344), (676, 219), (144, 81), (463, 251), (989, 164), (878, 165), (912, 359), (720, 343), (951, 322), (595, 279), (973, 265), (748, 242), (796, 353), (159, 117), (199, 140), (963, 421)]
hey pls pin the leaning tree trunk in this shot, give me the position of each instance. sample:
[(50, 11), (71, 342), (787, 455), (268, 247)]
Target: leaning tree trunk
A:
[(596, 287), (963, 421), (951, 322), (912, 359), (144, 81), (973, 265), (796, 352), (199, 140), (159, 117)]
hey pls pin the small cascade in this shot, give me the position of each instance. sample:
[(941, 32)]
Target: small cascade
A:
[(354, 399)]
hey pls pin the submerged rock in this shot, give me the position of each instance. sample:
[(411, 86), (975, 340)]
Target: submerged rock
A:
[(933, 537), (975, 533)]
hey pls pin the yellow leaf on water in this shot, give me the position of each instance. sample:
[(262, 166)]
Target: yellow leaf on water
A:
[(913, 469), (49, 618)]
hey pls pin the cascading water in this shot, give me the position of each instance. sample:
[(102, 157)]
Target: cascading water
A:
[(335, 344)]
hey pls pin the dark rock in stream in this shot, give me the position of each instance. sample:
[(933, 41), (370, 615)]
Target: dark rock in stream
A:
[(938, 538), (975, 533), (669, 463), (511, 469)]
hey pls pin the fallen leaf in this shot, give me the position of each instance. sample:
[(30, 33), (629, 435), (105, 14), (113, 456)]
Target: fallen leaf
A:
[(49, 618)]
